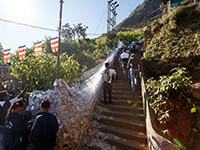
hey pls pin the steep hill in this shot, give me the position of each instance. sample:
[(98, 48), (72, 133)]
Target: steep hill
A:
[(147, 10), (174, 41)]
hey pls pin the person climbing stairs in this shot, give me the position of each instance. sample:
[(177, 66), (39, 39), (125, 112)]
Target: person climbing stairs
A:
[(123, 121)]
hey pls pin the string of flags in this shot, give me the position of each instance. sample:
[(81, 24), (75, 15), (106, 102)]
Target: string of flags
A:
[(37, 50)]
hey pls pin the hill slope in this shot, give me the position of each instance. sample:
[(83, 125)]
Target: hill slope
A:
[(173, 41), (148, 9)]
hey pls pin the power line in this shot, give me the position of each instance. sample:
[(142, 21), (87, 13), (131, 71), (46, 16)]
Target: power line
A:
[(28, 25), (104, 12), (93, 34), (37, 27)]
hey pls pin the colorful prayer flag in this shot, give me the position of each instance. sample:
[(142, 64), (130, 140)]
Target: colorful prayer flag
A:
[(54, 44), (38, 48), (6, 55), (22, 52)]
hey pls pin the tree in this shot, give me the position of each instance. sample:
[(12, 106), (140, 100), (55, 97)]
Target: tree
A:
[(80, 30), (101, 47), (1, 54), (130, 36), (40, 72), (68, 32)]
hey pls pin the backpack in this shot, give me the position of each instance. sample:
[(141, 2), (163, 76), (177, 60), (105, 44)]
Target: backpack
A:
[(106, 76)]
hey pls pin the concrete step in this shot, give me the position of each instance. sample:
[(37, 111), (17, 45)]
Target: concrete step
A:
[(136, 103), (130, 124), (124, 115), (126, 97), (125, 109), (128, 92), (125, 133), (124, 88), (124, 144)]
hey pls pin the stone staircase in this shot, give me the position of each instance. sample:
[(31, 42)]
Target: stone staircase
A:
[(124, 118)]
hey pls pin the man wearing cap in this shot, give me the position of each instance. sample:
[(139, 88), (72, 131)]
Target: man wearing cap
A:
[(44, 128)]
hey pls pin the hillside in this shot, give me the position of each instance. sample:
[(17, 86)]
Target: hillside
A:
[(173, 41), (147, 10)]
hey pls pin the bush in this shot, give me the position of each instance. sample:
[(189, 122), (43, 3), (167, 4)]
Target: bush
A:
[(162, 92), (40, 72)]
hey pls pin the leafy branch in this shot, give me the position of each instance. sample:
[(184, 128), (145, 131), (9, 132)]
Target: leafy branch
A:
[(167, 89)]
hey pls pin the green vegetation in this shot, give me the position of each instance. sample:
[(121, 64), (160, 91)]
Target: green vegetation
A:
[(130, 35), (195, 109), (162, 92), (101, 47), (40, 72), (173, 41), (77, 31), (198, 38), (1, 54)]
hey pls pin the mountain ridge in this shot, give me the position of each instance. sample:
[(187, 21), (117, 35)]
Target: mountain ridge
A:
[(142, 13)]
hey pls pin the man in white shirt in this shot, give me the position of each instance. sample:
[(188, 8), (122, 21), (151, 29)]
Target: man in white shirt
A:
[(124, 61), (107, 84)]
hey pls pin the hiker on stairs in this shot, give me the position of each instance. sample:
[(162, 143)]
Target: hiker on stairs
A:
[(109, 74), (123, 62)]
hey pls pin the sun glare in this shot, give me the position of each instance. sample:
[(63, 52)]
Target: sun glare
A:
[(19, 9)]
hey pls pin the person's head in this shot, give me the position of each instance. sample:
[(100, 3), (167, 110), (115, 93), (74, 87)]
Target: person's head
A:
[(4, 96), (45, 105), (18, 106), (107, 65)]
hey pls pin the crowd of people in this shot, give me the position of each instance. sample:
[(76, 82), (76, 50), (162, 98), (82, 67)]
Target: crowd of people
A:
[(129, 56), (19, 128), (129, 61)]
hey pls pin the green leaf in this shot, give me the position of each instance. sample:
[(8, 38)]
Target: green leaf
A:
[(179, 144), (129, 102)]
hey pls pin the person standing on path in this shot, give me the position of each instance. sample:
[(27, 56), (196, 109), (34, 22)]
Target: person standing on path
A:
[(44, 128), (6, 102), (17, 132), (124, 61), (108, 75)]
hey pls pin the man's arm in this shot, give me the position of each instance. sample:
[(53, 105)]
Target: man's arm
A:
[(23, 92)]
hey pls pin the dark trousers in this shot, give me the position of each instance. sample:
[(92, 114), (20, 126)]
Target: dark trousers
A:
[(107, 90)]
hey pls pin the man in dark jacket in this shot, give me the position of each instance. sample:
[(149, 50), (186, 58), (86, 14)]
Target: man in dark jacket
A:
[(44, 128), (4, 105), (6, 102), (16, 127)]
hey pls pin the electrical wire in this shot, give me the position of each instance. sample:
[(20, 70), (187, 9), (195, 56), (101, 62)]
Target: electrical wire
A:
[(37, 27), (27, 25), (100, 21)]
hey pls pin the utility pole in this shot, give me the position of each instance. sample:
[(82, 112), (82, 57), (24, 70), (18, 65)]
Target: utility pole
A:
[(59, 39), (111, 18)]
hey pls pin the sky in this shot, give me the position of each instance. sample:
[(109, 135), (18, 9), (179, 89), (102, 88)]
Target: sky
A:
[(45, 13)]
